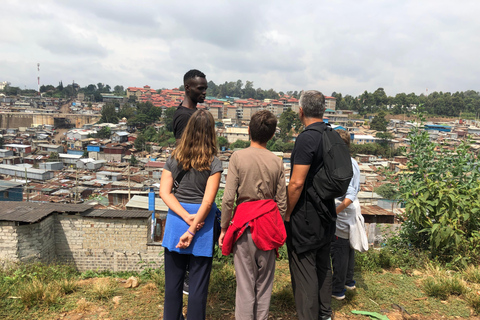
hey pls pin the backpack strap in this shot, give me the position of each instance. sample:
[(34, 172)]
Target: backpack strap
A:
[(178, 179)]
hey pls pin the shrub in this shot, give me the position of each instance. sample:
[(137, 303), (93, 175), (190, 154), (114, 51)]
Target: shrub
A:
[(442, 196)]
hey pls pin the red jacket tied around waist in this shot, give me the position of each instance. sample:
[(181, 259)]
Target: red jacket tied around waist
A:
[(265, 222)]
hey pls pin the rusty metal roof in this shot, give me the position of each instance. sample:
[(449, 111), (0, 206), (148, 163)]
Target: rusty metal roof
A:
[(376, 211), (31, 212)]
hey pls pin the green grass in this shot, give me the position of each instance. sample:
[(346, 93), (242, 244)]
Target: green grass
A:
[(54, 291)]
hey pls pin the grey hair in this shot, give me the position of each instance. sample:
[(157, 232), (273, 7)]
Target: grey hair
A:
[(313, 104)]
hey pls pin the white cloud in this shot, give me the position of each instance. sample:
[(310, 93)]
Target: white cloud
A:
[(343, 46)]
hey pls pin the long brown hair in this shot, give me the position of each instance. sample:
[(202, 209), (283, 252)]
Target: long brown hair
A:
[(198, 144)]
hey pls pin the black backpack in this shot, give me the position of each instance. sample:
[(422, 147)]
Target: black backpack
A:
[(332, 179)]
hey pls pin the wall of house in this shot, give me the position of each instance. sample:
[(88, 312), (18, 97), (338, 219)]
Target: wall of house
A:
[(105, 244), (28, 242), (8, 241), (36, 241)]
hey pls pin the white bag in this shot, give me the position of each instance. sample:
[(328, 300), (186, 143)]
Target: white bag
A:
[(357, 234)]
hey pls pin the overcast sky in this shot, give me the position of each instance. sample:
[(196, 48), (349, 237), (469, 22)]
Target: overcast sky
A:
[(343, 46)]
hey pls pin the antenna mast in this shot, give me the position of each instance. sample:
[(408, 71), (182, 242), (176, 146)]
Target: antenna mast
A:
[(38, 78)]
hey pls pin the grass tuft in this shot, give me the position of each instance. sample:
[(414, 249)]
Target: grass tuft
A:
[(68, 285), (472, 274), (473, 300), (103, 290), (36, 292), (443, 287)]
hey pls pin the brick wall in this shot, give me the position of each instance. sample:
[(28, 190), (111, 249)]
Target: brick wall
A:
[(27, 242), (36, 241), (8, 241), (105, 244), (87, 243)]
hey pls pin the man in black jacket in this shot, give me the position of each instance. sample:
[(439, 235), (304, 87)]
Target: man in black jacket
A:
[(308, 238)]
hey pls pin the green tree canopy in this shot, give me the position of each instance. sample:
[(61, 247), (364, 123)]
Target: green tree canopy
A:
[(109, 115), (240, 144), (287, 120), (379, 122), (104, 133)]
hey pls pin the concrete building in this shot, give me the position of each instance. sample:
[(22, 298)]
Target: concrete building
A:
[(233, 134)]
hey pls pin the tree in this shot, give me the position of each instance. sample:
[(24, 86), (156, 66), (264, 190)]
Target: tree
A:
[(104, 133), (2, 141), (118, 90), (379, 122), (109, 115), (222, 142), (287, 119), (388, 191), (240, 144), (139, 143), (168, 118), (133, 161), (53, 156)]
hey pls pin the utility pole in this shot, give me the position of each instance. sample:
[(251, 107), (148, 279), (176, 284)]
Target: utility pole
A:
[(76, 184), (26, 185), (128, 175)]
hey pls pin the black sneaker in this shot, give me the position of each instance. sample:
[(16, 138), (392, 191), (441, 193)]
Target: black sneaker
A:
[(185, 283)]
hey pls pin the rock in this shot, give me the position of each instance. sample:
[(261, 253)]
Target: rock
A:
[(116, 299), (416, 273), (132, 282)]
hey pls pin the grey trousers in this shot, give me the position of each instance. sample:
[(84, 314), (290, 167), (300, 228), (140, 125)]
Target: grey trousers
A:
[(255, 270), (312, 282)]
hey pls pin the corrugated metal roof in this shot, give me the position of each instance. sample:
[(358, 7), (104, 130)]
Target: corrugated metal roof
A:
[(5, 184), (141, 202), (376, 211), (32, 212), (109, 213)]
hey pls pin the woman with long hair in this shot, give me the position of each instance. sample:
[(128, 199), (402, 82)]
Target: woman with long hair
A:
[(188, 237)]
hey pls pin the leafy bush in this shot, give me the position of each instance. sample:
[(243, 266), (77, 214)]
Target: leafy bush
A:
[(442, 196), (389, 257)]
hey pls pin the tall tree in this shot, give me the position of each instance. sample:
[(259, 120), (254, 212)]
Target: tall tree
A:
[(109, 115), (379, 122)]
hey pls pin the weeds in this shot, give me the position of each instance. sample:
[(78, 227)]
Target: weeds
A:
[(472, 274), (443, 287), (68, 286), (473, 300), (36, 292), (103, 290)]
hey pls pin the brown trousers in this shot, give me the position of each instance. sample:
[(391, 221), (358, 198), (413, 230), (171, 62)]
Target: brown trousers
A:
[(255, 270)]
